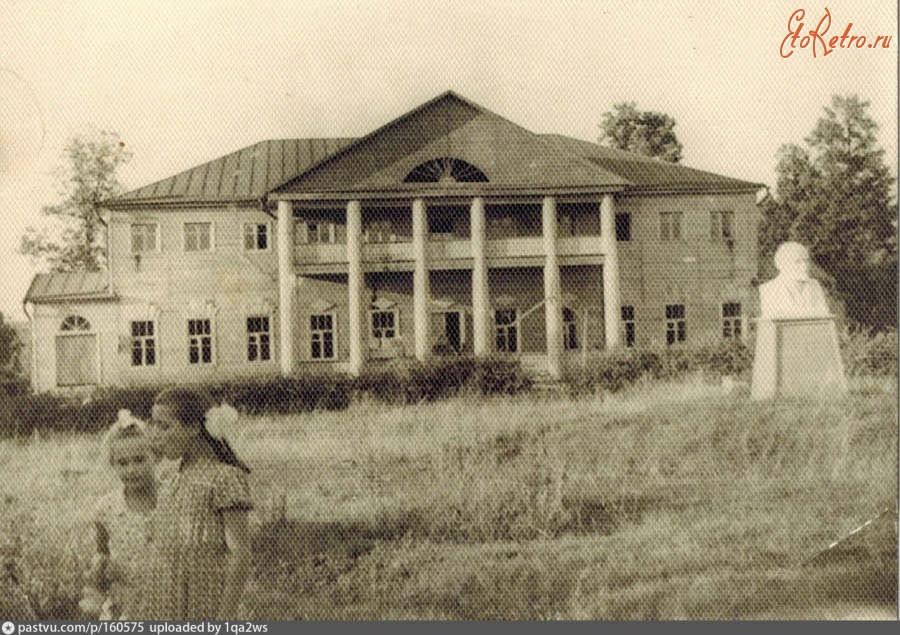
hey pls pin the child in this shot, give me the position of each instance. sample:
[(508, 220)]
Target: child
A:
[(121, 522), (200, 530)]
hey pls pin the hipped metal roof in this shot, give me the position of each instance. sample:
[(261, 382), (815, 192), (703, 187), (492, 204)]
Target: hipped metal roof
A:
[(513, 158), (65, 287)]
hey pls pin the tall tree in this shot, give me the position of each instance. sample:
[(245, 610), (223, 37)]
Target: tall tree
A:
[(645, 132), (834, 195), (87, 176)]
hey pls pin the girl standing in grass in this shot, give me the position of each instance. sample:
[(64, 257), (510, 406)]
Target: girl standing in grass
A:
[(121, 523), (200, 530)]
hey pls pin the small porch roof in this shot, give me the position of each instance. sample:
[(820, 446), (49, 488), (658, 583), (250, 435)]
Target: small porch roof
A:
[(48, 288)]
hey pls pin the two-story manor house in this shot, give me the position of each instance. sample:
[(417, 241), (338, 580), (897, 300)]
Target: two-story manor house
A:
[(450, 230)]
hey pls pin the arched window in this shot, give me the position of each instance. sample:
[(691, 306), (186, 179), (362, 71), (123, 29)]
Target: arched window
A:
[(75, 323), (445, 170)]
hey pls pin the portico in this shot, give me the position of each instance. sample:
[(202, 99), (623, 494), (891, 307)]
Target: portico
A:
[(447, 237)]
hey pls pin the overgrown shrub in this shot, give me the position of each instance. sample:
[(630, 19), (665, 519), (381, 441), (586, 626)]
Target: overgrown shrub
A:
[(399, 383), (867, 353), (616, 369)]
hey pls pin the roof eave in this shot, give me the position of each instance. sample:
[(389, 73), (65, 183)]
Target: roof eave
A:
[(692, 188), (454, 192), (65, 299)]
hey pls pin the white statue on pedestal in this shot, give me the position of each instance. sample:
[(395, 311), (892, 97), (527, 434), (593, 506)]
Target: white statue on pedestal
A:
[(792, 293)]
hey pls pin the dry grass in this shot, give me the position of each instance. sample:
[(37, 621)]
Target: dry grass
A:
[(667, 501)]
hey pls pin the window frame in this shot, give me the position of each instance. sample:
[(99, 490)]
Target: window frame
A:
[(717, 224), (200, 336), (628, 324), (322, 331), (212, 237), (729, 322), (506, 327), (676, 324), (156, 241), (617, 226), (257, 225), (254, 338), (384, 340), (142, 340), (667, 226)]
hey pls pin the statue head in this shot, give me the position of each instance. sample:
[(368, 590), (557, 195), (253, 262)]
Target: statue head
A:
[(792, 261)]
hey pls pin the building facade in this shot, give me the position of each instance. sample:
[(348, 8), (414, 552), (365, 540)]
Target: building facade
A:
[(448, 231)]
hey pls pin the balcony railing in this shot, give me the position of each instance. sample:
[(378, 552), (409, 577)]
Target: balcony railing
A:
[(387, 252), (579, 246), (449, 249), (512, 247), (532, 246), (320, 253)]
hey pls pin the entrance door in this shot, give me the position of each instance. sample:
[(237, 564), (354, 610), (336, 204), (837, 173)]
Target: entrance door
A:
[(452, 330), (76, 360)]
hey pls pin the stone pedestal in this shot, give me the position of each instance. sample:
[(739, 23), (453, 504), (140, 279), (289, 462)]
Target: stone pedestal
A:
[(797, 357)]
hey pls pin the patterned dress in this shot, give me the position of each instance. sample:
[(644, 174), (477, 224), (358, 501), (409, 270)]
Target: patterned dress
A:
[(188, 571), (129, 547)]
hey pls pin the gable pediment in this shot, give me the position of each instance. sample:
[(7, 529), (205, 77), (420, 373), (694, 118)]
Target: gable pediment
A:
[(508, 155)]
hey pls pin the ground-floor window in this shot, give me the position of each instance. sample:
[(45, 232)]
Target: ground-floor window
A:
[(676, 329), (507, 330), (570, 329), (732, 323), (321, 336), (143, 343), (384, 327), (200, 350), (258, 339), (628, 323)]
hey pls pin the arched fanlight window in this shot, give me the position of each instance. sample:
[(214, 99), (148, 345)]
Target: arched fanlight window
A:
[(75, 323), (445, 170)]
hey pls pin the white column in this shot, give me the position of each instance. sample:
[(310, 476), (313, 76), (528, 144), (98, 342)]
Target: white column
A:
[(421, 287), (612, 303), (553, 310), (480, 294), (356, 287), (286, 285)]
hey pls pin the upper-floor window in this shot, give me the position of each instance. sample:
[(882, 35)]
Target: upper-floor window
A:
[(258, 339), (143, 237), (314, 231), (501, 227), (256, 236), (670, 225), (623, 226), (441, 228), (721, 224), (198, 236), (445, 170), (565, 226), (143, 343), (381, 231), (628, 323), (676, 326), (732, 322)]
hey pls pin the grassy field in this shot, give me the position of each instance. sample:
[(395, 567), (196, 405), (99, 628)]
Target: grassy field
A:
[(668, 501)]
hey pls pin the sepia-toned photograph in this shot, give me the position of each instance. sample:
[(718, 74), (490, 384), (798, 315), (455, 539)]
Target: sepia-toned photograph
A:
[(386, 310)]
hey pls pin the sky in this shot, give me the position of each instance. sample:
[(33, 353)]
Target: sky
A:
[(188, 81)]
